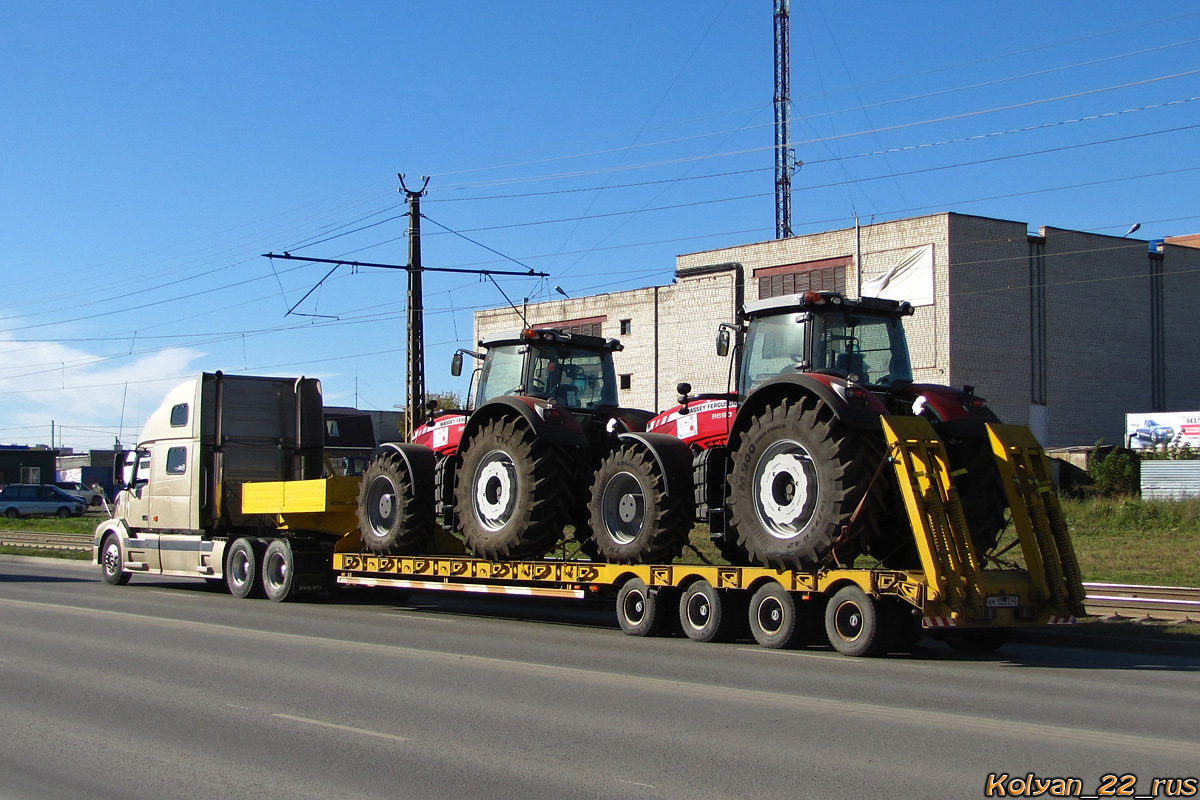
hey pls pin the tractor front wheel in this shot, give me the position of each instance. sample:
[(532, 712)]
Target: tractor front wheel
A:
[(633, 518), (392, 518)]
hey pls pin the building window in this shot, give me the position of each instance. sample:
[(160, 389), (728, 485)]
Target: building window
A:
[(626, 381), (828, 275), (590, 326), (626, 327)]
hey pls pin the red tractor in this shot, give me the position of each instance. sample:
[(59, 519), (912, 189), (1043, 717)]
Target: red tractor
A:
[(788, 469), (544, 445)]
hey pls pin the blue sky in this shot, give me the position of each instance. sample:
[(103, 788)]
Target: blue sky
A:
[(152, 151)]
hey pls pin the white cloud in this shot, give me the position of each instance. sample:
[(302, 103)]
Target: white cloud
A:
[(87, 396)]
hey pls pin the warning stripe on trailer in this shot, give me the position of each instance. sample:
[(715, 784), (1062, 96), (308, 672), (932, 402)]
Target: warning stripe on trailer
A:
[(938, 622), (401, 583)]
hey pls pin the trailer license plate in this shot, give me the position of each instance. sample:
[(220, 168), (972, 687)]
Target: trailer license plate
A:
[(1003, 601)]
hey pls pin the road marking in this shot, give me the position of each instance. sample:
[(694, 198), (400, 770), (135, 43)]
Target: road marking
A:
[(337, 727), (635, 783), (937, 720), (243, 708)]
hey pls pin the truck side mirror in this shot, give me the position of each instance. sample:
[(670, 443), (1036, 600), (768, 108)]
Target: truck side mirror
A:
[(456, 364), (723, 342)]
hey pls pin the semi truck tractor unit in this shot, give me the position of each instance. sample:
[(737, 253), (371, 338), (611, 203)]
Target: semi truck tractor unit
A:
[(789, 465)]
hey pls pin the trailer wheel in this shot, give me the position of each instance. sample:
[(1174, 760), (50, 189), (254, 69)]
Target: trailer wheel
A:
[(514, 494), (111, 564), (774, 618), (243, 569), (279, 571), (641, 612), (392, 519), (705, 613), (978, 640), (633, 519), (798, 475), (852, 622)]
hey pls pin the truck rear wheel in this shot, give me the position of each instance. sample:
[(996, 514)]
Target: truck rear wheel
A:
[(633, 518), (243, 568), (798, 474), (514, 493), (392, 518), (279, 571)]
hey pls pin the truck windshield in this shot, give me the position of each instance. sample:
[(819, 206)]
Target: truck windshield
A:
[(871, 347), (575, 378)]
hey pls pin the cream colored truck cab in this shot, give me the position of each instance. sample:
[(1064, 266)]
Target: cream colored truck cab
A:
[(178, 504)]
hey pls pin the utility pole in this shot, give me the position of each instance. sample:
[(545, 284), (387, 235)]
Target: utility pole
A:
[(414, 394), (784, 160)]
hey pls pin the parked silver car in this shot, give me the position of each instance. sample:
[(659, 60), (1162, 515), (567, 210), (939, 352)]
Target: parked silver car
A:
[(77, 489), (30, 499)]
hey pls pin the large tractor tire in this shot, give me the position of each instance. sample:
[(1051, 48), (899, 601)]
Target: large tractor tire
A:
[(798, 475), (980, 489), (393, 519), (633, 518), (514, 493)]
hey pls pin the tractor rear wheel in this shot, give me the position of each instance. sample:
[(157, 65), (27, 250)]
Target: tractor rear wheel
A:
[(514, 493), (980, 489), (392, 518), (633, 518), (798, 475)]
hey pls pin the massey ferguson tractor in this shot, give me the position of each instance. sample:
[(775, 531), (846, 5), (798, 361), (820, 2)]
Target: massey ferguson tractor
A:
[(544, 445), (790, 468)]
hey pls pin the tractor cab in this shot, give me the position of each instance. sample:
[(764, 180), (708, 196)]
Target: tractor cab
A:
[(861, 341), (572, 371)]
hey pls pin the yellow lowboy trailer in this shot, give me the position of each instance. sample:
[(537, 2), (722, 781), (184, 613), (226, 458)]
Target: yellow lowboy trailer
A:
[(864, 611)]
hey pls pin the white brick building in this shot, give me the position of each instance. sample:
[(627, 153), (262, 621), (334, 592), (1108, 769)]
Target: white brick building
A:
[(1064, 331)]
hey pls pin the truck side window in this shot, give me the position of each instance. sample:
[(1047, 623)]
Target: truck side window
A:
[(179, 415), (177, 461)]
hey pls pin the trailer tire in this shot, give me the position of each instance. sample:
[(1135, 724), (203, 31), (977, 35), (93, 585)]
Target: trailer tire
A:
[(634, 520), (852, 622), (514, 493), (775, 622), (111, 563), (279, 571), (798, 475), (641, 612), (243, 568), (705, 613), (392, 518)]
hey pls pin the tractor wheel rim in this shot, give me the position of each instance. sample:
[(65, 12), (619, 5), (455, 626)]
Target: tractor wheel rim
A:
[(381, 505), (785, 489), (623, 508), (495, 490)]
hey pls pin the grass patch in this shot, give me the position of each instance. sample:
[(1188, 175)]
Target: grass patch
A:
[(46, 552), (85, 524)]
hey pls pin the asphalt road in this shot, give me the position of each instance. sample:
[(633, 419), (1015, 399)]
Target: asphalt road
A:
[(165, 689)]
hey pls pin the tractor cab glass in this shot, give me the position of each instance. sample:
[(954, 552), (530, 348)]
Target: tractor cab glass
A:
[(870, 347), (503, 372), (774, 346), (572, 377)]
